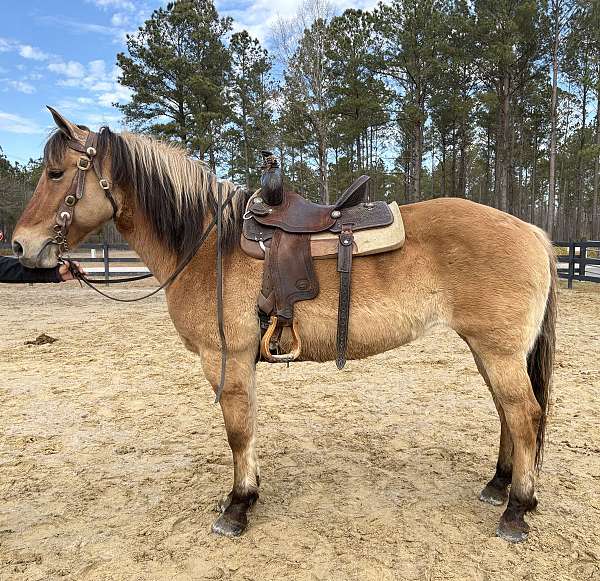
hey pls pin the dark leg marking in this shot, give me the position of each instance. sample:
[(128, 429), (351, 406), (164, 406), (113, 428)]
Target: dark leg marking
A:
[(234, 518), (496, 490), (512, 526)]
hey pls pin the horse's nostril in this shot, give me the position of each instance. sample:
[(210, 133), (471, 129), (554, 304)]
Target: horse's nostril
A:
[(17, 248)]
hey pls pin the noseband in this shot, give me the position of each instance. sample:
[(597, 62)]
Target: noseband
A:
[(66, 210)]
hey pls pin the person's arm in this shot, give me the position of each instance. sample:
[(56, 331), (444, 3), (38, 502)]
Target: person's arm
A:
[(11, 270)]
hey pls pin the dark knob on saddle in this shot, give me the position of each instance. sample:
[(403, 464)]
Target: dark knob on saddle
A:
[(271, 181)]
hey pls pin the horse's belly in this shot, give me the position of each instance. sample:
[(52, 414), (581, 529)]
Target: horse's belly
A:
[(373, 329)]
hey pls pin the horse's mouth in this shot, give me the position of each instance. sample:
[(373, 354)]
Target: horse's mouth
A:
[(46, 257)]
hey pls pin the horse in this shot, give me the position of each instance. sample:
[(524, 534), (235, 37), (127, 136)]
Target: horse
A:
[(481, 272)]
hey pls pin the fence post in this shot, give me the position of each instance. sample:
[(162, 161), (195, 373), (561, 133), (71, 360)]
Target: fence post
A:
[(571, 264), (582, 258), (106, 262)]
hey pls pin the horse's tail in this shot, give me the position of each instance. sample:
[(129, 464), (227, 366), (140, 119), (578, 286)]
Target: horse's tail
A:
[(540, 361)]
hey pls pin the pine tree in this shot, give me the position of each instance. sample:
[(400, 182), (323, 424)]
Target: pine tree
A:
[(250, 98), (409, 31), (508, 45), (176, 67), (360, 101)]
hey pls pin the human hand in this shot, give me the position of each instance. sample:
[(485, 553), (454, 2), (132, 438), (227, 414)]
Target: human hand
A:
[(64, 270)]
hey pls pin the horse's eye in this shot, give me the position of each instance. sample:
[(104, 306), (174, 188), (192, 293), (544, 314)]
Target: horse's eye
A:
[(55, 174)]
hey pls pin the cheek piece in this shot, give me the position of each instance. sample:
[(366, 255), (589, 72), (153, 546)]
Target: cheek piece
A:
[(66, 210)]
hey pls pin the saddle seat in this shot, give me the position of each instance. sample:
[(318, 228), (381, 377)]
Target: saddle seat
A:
[(290, 233), (299, 215)]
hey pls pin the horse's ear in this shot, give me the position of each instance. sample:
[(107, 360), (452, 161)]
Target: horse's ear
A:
[(71, 130)]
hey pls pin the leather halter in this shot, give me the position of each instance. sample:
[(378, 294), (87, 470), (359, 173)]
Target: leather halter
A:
[(66, 210)]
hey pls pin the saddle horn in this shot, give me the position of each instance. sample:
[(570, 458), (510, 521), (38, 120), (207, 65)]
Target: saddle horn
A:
[(271, 181)]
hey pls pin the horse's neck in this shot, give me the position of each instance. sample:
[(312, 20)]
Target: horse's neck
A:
[(138, 232)]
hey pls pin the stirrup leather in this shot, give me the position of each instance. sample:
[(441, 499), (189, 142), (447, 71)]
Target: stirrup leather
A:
[(265, 344)]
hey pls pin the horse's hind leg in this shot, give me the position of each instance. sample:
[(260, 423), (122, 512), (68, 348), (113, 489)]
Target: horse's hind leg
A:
[(238, 404), (513, 393), (496, 490)]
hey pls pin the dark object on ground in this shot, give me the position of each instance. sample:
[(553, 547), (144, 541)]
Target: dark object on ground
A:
[(42, 339)]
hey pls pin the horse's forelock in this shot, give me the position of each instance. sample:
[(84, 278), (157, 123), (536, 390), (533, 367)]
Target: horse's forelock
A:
[(55, 148)]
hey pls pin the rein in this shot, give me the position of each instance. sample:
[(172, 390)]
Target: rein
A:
[(64, 218)]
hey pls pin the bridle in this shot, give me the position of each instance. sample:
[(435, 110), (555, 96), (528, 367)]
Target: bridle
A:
[(88, 159), (64, 218)]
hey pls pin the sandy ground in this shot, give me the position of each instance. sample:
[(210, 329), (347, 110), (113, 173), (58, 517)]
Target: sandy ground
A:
[(113, 456)]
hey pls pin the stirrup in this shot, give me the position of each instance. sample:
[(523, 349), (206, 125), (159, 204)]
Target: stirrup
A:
[(265, 343)]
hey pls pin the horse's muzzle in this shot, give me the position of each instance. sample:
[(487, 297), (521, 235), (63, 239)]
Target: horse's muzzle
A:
[(35, 254)]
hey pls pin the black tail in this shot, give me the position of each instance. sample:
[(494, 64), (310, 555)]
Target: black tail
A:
[(540, 362)]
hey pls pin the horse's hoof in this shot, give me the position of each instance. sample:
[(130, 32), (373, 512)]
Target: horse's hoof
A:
[(493, 496), (228, 527), (515, 531)]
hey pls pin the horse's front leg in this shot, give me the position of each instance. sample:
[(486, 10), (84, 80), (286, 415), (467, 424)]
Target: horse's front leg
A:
[(238, 404)]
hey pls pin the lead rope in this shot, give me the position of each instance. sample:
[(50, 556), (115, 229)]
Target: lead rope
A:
[(186, 260), (220, 295)]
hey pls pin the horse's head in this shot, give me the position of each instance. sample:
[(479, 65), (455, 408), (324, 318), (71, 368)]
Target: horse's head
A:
[(59, 215)]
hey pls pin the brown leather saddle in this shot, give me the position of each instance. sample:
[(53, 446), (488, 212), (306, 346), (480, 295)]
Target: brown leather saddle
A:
[(281, 224)]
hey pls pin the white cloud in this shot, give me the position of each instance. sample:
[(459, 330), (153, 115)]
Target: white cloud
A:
[(119, 19), (95, 78), (31, 52), (117, 4), (71, 69), (17, 124), (119, 94), (25, 50), (86, 29), (6, 45), (22, 87)]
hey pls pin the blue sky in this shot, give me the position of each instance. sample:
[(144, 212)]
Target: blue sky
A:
[(62, 53)]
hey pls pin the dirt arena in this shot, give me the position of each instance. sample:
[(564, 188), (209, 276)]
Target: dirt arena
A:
[(113, 456)]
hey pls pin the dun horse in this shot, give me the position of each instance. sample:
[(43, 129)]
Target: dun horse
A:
[(479, 271)]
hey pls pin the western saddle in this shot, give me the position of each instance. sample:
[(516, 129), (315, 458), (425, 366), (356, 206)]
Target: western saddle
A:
[(288, 232)]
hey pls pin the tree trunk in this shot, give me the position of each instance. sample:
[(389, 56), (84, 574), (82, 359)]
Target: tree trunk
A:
[(595, 229), (417, 161), (462, 171), (443, 165), (553, 120), (488, 164), (323, 178), (501, 181), (418, 144), (579, 179), (453, 190), (534, 179)]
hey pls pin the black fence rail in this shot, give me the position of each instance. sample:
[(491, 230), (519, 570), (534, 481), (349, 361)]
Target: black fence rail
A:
[(101, 254), (107, 260), (582, 261)]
